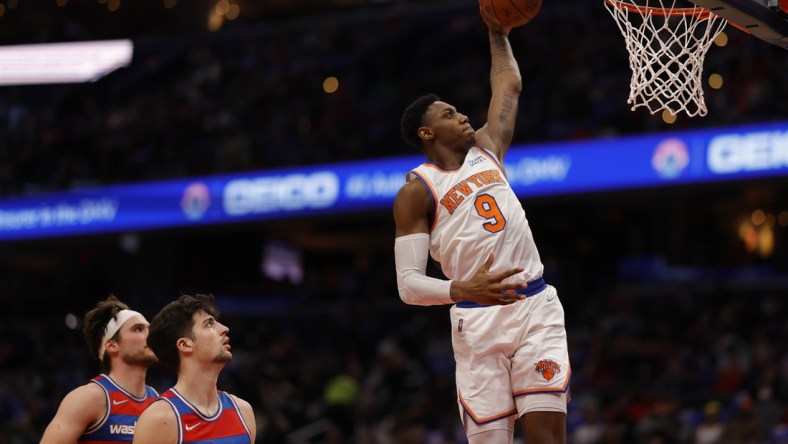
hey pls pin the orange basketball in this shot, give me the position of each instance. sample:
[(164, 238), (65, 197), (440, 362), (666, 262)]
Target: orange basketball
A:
[(510, 13)]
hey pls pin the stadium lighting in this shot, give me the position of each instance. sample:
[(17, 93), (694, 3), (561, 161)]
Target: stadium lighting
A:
[(62, 62)]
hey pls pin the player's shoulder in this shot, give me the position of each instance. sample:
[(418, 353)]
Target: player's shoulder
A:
[(86, 403), (89, 393), (159, 412), (158, 423), (413, 191), (242, 403)]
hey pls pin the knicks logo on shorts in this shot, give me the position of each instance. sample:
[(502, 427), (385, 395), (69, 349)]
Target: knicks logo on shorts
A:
[(548, 368)]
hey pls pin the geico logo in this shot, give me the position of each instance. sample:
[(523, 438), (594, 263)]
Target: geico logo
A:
[(756, 151), (282, 193), (530, 170), (121, 429)]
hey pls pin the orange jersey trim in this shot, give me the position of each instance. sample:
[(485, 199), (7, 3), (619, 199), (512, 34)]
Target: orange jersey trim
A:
[(483, 420), (547, 390), (480, 421)]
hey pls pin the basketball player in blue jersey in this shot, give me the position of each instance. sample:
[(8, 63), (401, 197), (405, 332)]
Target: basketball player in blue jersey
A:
[(508, 331), (106, 409), (189, 340)]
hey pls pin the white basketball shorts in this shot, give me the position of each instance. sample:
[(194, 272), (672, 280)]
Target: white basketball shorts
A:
[(504, 352)]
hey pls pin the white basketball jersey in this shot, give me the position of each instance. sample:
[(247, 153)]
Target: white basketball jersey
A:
[(477, 213)]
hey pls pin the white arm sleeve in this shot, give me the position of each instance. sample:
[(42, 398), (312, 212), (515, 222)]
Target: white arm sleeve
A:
[(415, 287)]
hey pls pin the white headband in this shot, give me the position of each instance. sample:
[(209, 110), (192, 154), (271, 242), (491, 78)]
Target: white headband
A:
[(113, 326)]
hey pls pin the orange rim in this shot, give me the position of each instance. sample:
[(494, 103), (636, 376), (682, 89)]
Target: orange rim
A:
[(698, 12)]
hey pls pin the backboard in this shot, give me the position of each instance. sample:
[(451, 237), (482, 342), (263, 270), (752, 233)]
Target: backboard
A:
[(764, 19)]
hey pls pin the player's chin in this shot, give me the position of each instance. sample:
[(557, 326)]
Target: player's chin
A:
[(150, 356), (471, 139), (146, 359)]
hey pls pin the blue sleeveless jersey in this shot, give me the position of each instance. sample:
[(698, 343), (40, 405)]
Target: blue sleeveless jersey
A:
[(123, 409), (226, 426)]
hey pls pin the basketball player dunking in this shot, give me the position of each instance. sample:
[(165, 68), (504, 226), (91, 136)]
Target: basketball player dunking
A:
[(106, 409), (508, 329)]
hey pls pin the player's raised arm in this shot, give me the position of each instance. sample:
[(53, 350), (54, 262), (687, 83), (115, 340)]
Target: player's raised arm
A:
[(506, 84)]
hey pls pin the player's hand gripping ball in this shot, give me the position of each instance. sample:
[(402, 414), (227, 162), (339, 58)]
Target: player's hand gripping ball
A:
[(510, 13)]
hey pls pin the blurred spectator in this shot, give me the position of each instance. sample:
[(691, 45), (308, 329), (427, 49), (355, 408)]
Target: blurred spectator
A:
[(335, 357), (744, 427), (710, 430)]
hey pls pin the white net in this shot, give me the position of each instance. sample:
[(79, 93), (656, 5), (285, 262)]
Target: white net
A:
[(667, 46)]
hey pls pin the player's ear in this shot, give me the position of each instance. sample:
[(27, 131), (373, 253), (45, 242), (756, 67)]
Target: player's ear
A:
[(111, 346), (426, 133), (184, 344)]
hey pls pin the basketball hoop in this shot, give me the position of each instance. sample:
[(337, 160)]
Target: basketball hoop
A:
[(667, 46)]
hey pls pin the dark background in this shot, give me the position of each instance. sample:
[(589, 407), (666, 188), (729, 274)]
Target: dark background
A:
[(676, 308)]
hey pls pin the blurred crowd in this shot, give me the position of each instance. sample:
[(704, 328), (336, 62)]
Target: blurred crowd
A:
[(251, 96), (695, 367), (676, 334), (338, 358)]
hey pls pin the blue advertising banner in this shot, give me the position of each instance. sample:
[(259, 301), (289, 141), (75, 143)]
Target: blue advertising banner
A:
[(665, 159)]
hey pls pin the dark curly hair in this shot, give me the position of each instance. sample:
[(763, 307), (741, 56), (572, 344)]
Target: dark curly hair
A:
[(175, 321), (413, 118)]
